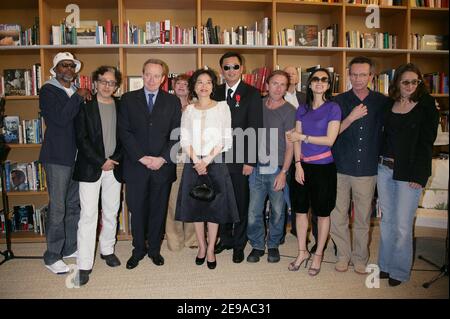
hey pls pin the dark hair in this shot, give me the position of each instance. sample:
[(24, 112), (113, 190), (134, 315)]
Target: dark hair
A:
[(193, 80), (181, 77), (230, 55), (361, 60), (309, 93), (394, 87), (279, 72), (106, 68), (159, 62)]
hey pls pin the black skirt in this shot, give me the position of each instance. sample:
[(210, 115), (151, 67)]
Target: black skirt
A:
[(221, 210)]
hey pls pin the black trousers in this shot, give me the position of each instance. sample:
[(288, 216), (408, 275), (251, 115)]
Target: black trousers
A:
[(235, 235), (147, 202)]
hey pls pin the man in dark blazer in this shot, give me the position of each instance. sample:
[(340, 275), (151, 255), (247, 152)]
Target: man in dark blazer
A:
[(246, 113), (147, 118)]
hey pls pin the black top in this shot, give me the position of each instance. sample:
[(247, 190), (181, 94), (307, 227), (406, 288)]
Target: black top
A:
[(356, 149), (412, 141)]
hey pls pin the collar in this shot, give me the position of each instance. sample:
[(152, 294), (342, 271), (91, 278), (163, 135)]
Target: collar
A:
[(147, 92), (234, 87), (53, 81)]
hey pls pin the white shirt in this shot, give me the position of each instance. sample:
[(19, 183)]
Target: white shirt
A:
[(234, 88), (291, 98), (206, 129)]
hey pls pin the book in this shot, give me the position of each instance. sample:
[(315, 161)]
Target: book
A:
[(18, 177), (10, 34), (86, 33), (306, 35), (11, 129), (433, 42), (14, 81), (23, 217)]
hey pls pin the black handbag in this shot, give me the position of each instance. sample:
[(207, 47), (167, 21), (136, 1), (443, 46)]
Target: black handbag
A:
[(203, 191)]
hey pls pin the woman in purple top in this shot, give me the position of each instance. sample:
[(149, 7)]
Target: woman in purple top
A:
[(317, 127)]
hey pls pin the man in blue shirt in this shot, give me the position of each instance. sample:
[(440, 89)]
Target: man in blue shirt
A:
[(356, 154)]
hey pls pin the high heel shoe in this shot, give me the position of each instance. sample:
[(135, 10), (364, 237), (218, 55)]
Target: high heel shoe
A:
[(294, 267), (200, 261), (211, 264), (315, 271)]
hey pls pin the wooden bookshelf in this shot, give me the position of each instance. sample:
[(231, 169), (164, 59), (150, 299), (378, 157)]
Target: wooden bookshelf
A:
[(400, 20)]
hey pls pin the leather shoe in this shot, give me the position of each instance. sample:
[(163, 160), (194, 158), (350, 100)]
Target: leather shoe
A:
[(111, 260), (384, 275), (238, 255), (83, 276), (158, 260), (394, 282), (211, 264), (133, 262), (200, 261), (220, 247)]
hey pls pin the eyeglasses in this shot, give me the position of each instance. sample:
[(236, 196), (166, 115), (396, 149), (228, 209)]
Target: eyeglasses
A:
[(317, 79), (231, 66), (68, 65), (413, 82), (111, 84), (361, 75)]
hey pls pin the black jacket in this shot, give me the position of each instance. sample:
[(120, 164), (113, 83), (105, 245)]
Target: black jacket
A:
[(89, 138), (412, 156), (247, 115), (143, 134)]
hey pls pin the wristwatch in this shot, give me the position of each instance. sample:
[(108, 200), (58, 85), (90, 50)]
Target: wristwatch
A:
[(306, 140), (285, 171)]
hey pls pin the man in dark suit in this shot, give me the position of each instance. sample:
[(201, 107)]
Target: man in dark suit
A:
[(146, 120), (246, 113)]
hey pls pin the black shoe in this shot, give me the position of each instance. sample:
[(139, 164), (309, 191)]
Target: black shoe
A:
[(200, 261), (219, 248), (394, 282), (83, 276), (273, 255), (211, 264), (384, 275), (111, 260), (238, 255), (133, 262), (158, 260), (254, 255)]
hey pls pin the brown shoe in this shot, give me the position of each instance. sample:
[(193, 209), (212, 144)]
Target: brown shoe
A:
[(341, 266)]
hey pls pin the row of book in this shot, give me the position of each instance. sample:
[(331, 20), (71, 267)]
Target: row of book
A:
[(429, 3), (23, 132), (159, 33), (366, 40), (437, 82), (21, 82), (88, 33), (428, 42), (257, 34), (25, 218), (13, 34), (24, 176), (377, 2), (309, 35)]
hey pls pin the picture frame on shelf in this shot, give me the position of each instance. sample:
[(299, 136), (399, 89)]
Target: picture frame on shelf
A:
[(135, 82)]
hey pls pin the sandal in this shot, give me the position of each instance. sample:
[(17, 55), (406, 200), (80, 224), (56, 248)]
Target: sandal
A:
[(294, 267), (315, 271)]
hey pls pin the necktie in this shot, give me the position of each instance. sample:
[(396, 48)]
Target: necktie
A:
[(229, 98), (150, 102)]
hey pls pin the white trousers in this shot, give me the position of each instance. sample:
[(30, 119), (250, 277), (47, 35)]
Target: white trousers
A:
[(87, 226)]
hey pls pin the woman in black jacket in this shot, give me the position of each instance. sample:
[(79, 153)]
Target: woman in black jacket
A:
[(97, 166), (410, 128)]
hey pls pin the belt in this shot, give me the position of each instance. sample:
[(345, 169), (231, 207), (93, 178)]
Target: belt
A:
[(386, 162)]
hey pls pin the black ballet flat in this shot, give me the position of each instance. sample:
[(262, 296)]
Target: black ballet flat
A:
[(200, 261), (211, 264)]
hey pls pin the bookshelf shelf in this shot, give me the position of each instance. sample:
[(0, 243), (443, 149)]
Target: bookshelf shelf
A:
[(24, 237), (28, 193), (399, 20)]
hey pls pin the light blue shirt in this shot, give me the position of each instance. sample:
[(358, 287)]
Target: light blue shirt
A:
[(147, 92)]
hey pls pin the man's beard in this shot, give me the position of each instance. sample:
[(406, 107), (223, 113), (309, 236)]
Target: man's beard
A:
[(64, 77)]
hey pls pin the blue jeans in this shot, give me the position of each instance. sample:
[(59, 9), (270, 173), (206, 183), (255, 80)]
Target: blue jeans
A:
[(261, 185), (398, 203), (63, 213)]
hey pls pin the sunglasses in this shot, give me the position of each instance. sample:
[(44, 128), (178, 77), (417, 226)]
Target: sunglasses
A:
[(111, 84), (231, 66), (413, 82), (317, 79), (68, 65)]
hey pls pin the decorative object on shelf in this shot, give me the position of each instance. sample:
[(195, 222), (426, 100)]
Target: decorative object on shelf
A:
[(135, 82)]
